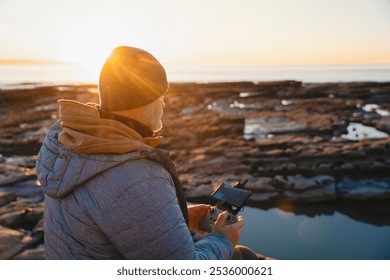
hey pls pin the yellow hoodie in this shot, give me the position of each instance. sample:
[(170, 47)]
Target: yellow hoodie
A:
[(84, 131)]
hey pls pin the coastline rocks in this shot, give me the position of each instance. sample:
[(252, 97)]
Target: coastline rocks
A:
[(12, 242), (26, 114), (6, 197), (300, 183), (264, 197), (21, 214), (364, 189), (319, 194), (294, 188), (21, 229), (286, 137), (28, 189), (31, 254), (200, 191), (17, 169), (260, 184)]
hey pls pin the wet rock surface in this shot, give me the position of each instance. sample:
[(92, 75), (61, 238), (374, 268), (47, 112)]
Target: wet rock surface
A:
[(293, 142)]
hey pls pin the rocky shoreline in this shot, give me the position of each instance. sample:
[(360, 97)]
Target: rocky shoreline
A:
[(297, 144)]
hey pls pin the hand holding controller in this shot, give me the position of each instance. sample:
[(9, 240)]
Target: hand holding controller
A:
[(208, 221), (230, 199), (231, 231)]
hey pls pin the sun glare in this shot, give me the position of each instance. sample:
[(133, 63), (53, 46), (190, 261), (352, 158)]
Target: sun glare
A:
[(94, 56), (91, 44)]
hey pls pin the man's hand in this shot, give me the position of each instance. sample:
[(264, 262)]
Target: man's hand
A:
[(195, 214), (231, 231)]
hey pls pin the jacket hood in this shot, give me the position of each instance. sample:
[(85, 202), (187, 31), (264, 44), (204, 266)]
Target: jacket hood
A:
[(61, 170), (84, 131)]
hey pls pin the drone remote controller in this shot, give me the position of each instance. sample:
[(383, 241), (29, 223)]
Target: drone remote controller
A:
[(208, 221), (229, 199)]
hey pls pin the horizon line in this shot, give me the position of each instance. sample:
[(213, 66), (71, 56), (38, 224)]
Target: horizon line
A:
[(59, 62), (27, 61)]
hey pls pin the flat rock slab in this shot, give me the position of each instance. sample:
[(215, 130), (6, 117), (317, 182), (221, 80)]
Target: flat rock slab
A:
[(6, 197), (29, 189), (21, 214), (31, 254), (12, 242)]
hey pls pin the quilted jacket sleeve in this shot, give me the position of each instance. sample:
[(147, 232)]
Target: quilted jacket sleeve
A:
[(145, 222)]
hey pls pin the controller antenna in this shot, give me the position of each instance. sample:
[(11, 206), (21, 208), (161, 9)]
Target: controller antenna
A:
[(241, 185)]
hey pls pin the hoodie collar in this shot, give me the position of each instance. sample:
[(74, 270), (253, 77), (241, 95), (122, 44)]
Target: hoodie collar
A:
[(86, 130), (142, 129)]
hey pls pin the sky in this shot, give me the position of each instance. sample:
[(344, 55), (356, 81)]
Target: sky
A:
[(198, 32)]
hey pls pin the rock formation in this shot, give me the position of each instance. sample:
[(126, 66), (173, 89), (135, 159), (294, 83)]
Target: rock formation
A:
[(292, 141)]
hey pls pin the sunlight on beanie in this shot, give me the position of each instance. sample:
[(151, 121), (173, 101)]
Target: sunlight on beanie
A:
[(130, 78)]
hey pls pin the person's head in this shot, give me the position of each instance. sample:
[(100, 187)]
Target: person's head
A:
[(132, 83), (150, 115)]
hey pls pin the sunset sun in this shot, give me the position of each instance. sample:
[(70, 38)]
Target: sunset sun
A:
[(90, 45)]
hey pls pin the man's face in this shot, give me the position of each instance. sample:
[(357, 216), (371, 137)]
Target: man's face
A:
[(150, 115), (155, 114)]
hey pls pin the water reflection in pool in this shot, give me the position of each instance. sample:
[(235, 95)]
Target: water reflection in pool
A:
[(285, 235), (357, 131)]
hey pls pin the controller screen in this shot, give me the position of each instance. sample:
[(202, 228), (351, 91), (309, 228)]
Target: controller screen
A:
[(230, 195)]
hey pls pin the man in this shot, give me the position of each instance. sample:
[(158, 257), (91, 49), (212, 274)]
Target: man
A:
[(109, 194)]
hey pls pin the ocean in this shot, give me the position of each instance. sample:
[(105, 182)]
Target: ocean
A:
[(70, 74)]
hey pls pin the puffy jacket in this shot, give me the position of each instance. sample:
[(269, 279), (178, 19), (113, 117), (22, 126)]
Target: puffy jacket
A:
[(114, 206)]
